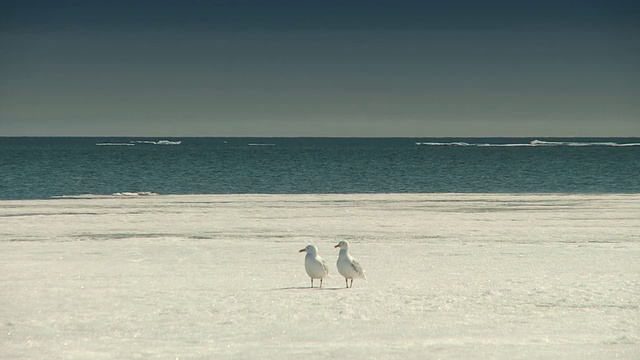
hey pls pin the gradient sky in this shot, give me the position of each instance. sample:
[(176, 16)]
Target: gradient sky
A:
[(319, 68)]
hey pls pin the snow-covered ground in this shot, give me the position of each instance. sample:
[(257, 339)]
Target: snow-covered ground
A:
[(449, 276)]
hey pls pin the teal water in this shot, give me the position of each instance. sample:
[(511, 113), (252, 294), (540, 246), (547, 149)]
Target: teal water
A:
[(34, 168)]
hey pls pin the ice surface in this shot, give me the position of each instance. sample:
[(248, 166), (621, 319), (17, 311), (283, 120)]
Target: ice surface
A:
[(450, 276)]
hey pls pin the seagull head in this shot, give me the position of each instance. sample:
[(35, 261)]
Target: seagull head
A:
[(310, 249), (343, 245)]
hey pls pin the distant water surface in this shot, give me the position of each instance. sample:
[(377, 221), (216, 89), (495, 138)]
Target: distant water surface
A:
[(32, 168)]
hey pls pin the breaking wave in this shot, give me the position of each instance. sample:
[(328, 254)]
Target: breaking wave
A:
[(159, 142), (140, 142), (117, 194), (143, 193), (114, 144)]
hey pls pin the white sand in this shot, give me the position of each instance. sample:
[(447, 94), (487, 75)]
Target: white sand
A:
[(207, 277)]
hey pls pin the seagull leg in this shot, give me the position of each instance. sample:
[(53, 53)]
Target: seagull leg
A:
[(320, 282), (311, 282), (346, 282), (351, 283)]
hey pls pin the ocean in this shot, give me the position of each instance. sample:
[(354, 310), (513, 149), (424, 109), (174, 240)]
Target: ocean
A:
[(48, 167)]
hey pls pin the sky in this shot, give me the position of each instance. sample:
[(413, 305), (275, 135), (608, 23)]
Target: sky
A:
[(320, 68)]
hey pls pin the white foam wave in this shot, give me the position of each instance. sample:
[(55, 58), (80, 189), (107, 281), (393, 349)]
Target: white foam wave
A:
[(168, 142), (159, 142), (261, 144), (114, 144), (577, 143), (533, 143), (142, 142), (457, 143), (143, 193), (117, 194)]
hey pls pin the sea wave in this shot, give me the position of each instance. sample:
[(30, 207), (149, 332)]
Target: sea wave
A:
[(532, 143), (168, 142), (142, 193), (141, 142), (117, 194), (579, 143)]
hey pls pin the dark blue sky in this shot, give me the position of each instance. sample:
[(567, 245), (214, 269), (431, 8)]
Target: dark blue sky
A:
[(330, 68)]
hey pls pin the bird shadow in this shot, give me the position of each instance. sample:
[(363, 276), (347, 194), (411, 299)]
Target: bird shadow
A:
[(309, 288)]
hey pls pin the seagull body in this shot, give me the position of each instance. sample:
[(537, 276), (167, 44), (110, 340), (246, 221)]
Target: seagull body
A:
[(348, 267), (315, 266)]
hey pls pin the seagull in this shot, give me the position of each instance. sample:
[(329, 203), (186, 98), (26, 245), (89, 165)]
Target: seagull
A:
[(348, 266), (315, 266)]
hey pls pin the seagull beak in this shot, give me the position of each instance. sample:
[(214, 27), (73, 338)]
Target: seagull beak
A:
[(337, 246), (303, 250)]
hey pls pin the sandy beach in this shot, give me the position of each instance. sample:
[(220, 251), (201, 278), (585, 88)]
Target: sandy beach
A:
[(449, 276)]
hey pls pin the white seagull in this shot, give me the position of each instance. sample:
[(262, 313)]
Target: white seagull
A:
[(315, 266), (348, 266)]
